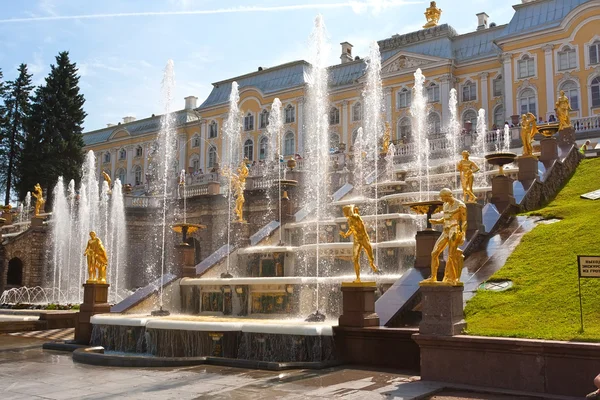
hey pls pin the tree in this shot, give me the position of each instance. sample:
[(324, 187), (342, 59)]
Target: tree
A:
[(17, 102), (54, 143)]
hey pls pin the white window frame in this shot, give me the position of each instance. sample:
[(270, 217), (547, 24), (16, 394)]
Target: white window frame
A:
[(263, 119), (404, 122), (471, 86), (357, 111), (472, 120), (139, 151), (499, 124), (196, 141), (212, 156), (289, 150), (290, 114), (498, 80), (569, 93), (106, 157), (519, 102), (249, 149), (595, 44), (124, 175), (437, 128), (334, 115), (249, 122), (122, 154), (263, 144), (571, 53), (435, 89), (404, 98), (212, 135), (137, 176), (526, 58), (591, 91)]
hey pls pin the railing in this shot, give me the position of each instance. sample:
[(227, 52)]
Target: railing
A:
[(197, 190), (141, 202), (202, 179), (586, 123)]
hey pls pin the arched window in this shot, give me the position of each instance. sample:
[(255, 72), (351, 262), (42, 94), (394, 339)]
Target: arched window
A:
[(290, 114), (249, 149), (469, 91), (334, 141), (212, 130), (499, 117), (526, 67), (434, 124), (527, 102), (122, 154), (594, 52), (263, 148), (404, 129), (263, 119), (572, 93), (137, 175), (595, 86), (249, 122), (212, 156), (14, 276), (404, 98), (334, 116), (498, 86), (567, 58), (139, 151), (196, 141), (357, 111), (470, 116), (289, 145), (106, 157), (195, 163), (433, 93), (121, 175)]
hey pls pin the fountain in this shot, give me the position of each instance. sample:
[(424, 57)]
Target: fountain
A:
[(418, 111)]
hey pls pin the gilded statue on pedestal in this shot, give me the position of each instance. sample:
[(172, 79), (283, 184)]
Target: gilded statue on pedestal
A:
[(432, 14), (528, 131), (356, 227), (454, 224), (238, 184), (467, 168), (562, 111), (39, 197), (97, 260), (386, 138)]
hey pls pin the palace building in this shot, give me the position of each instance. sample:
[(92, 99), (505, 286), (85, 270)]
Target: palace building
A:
[(507, 70)]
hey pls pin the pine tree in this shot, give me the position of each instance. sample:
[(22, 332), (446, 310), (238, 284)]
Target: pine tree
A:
[(54, 142), (17, 102), (2, 122)]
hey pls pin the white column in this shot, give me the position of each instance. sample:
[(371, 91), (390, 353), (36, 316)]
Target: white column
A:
[(182, 153), (388, 105), (484, 96), (113, 162), (129, 177), (300, 106), (345, 124), (202, 146), (445, 98), (550, 95), (508, 87)]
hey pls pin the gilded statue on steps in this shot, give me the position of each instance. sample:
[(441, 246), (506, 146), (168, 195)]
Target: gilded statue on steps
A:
[(237, 185), (467, 168), (356, 227), (432, 14), (107, 180), (528, 131), (454, 223), (97, 260), (39, 197), (562, 111), (386, 138)]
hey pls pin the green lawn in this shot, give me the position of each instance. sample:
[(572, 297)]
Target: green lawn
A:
[(544, 301)]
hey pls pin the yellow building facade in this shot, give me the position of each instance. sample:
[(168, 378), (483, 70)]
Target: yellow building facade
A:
[(506, 70)]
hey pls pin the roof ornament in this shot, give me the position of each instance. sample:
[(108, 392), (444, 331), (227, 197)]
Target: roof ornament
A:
[(432, 14)]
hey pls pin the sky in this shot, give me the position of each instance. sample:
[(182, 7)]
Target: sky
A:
[(122, 46)]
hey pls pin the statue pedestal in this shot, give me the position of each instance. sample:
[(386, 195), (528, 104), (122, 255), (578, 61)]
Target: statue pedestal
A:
[(442, 310), (548, 149), (186, 257), (566, 137), (425, 241), (502, 192), (37, 221), (474, 218), (358, 310), (528, 168), (240, 235), (95, 301)]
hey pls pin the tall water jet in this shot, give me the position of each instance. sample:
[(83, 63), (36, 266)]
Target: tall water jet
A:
[(275, 154), (506, 139), (479, 147), (418, 111), (389, 163), (60, 224), (317, 133), (27, 205), (359, 155), (453, 133), (118, 240)]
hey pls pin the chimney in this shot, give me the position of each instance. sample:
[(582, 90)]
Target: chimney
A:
[(346, 52), (110, 125), (127, 120), (190, 102), (482, 21)]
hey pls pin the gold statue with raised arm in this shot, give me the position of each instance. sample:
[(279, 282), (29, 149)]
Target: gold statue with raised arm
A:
[(97, 260), (237, 185), (39, 197), (432, 14), (356, 227), (528, 131), (454, 223), (467, 168), (386, 138), (562, 111)]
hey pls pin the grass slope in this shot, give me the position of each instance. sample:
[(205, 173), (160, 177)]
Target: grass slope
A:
[(544, 301)]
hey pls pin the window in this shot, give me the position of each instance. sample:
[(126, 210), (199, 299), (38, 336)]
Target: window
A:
[(249, 149), (594, 50), (526, 67), (137, 175), (139, 151), (527, 102), (469, 91), (212, 130), (263, 119), (196, 141), (357, 112), (289, 144), (470, 116), (572, 93), (290, 114), (195, 164), (263, 148), (334, 116), (596, 92), (249, 122), (212, 156), (567, 59), (433, 93), (404, 129), (334, 141), (433, 123), (498, 86), (499, 117), (122, 154), (121, 175), (107, 157), (404, 98)]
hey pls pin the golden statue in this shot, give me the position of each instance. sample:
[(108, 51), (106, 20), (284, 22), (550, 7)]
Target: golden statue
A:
[(238, 184), (107, 179), (467, 168), (453, 235), (432, 14), (562, 111), (97, 260), (528, 131), (39, 197), (386, 138), (357, 228)]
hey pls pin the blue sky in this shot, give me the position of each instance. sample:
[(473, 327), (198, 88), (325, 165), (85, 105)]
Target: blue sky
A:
[(121, 58)]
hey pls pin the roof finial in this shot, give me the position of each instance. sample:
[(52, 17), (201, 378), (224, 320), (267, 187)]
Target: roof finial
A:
[(432, 14)]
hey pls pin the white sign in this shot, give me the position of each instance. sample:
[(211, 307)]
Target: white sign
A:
[(589, 266), (595, 195)]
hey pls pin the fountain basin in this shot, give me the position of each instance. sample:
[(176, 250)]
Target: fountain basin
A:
[(500, 159), (549, 129)]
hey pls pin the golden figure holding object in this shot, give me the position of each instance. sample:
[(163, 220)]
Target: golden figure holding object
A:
[(386, 138), (39, 197), (238, 184), (432, 14), (97, 260), (454, 221), (356, 227), (562, 111), (467, 168), (528, 131)]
